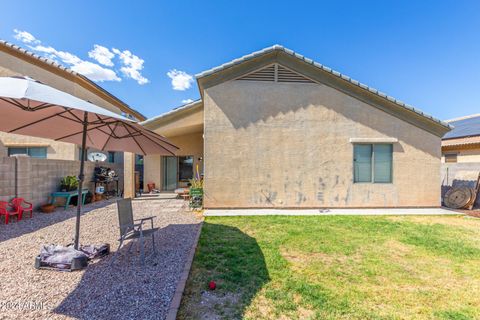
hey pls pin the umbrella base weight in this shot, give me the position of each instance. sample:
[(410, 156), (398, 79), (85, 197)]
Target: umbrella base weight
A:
[(59, 258), (76, 264)]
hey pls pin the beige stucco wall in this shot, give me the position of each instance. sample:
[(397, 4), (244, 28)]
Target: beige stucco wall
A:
[(287, 145), (55, 150), (190, 145), (465, 155)]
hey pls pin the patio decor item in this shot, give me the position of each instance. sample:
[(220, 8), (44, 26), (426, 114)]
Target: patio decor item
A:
[(129, 229), (22, 206), (196, 198), (31, 108), (47, 208), (8, 210), (69, 183), (68, 197)]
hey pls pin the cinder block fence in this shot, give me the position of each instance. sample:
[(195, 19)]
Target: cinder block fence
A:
[(35, 179)]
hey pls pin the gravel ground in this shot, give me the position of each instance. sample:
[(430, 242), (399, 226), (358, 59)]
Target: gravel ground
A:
[(124, 290)]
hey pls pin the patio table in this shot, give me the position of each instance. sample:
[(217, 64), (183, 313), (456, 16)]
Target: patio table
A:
[(68, 196)]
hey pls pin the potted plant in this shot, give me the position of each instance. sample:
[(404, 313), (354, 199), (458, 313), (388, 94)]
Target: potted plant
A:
[(47, 208), (69, 183), (196, 193)]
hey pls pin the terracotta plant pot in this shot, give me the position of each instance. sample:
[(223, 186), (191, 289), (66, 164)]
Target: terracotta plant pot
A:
[(47, 208)]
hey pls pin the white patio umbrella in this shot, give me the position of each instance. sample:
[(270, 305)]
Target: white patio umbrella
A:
[(31, 108)]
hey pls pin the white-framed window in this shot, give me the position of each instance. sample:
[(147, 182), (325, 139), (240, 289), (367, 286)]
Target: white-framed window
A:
[(451, 157), (372, 163), (34, 152)]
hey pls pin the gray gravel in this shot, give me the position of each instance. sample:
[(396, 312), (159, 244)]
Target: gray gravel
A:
[(122, 291)]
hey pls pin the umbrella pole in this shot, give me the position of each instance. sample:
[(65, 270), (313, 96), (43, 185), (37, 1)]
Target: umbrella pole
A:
[(81, 177)]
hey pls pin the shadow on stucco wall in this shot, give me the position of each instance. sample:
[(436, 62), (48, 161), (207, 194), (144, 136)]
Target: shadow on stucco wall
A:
[(247, 103)]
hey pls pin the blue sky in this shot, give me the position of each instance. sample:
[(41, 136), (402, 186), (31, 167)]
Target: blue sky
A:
[(426, 53)]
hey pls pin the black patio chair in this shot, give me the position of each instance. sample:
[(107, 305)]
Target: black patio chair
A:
[(131, 229)]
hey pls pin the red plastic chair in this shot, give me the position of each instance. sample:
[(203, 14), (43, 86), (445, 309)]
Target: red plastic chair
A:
[(8, 210), (22, 206)]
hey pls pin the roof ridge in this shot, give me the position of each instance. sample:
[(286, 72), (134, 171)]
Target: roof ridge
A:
[(321, 67), (463, 117)]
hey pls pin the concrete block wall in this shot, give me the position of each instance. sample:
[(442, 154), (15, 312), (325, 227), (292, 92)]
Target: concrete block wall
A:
[(36, 179), (7, 178), (449, 175)]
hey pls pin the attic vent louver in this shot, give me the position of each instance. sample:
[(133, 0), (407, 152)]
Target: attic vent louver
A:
[(275, 73)]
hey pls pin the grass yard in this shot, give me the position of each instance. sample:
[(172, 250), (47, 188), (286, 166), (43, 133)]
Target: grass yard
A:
[(336, 267)]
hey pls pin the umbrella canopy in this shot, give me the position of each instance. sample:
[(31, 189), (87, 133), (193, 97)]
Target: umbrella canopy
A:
[(31, 108)]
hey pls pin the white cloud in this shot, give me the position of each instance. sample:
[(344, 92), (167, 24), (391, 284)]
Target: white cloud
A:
[(180, 79), (186, 101), (102, 55), (132, 65), (89, 69), (25, 36)]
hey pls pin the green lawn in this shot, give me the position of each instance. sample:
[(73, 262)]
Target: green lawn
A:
[(336, 267)]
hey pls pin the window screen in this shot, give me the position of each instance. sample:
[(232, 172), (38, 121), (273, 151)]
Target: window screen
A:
[(363, 162), (373, 163), (34, 152)]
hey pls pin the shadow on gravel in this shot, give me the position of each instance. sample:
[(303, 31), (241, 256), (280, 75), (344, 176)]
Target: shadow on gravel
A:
[(235, 262), (41, 220), (126, 290)]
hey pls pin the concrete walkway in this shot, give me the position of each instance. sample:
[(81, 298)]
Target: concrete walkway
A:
[(328, 212)]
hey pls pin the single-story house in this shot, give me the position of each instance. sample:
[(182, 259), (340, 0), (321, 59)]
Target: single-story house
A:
[(462, 144), (276, 129)]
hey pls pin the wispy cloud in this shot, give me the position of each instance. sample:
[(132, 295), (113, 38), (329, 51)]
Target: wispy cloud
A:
[(186, 101), (24, 36), (180, 80), (102, 55), (131, 65)]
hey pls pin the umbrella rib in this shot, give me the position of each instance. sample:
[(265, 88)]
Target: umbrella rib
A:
[(110, 135), (158, 144), (159, 137), (67, 118), (74, 115), (73, 134), (38, 121), (15, 103), (133, 137)]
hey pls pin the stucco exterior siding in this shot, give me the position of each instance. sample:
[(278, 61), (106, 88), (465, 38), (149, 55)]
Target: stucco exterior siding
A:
[(288, 145), (189, 144), (464, 155)]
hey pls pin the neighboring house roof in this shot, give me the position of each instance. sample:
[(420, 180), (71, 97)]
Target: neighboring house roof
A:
[(467, 126), (178, 111), (465, 142), (322, 74), (68, 74)]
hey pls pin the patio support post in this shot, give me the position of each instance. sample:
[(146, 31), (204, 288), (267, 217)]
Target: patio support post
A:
[(81, 177)]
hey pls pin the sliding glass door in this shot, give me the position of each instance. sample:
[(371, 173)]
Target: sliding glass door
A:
[(177, 172), (170, 173)]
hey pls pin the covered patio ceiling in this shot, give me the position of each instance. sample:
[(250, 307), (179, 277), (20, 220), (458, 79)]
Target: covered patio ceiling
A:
[(184, 120)]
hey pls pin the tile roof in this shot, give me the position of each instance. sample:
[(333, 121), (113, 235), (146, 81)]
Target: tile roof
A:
[(320, 67), (461, 141), (173, 111)]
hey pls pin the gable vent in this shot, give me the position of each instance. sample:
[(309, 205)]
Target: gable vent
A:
[(287, 75), (265, 74), (275, 73)]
